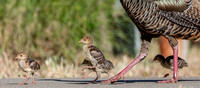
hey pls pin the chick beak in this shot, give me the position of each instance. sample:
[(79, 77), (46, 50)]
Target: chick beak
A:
[(80, 41), (16, 58)]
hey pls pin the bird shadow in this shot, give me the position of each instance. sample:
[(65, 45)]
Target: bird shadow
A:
[(69, 81), (87, 81), (16, 83)]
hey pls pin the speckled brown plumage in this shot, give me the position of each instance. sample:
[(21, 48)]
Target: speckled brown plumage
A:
[(158, 18), (27, 65), (95, 60), (168, 62)]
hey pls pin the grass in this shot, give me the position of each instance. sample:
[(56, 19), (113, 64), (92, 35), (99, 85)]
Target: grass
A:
[(52, 68), (50, 28)]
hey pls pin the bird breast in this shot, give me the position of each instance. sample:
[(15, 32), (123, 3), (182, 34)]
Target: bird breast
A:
[(22, 64), (87, 52), (85, 48)]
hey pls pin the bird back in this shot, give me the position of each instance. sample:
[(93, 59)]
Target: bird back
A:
[(33, 64), (159, 18), (96, 54), (108, 65), (181, 62)]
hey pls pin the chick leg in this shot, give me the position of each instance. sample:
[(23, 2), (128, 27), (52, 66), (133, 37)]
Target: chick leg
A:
[(143, 53), (33, 79), (98, 76), (86, 75), (108, 74), (24, 81), (174, 44), (86, 67)]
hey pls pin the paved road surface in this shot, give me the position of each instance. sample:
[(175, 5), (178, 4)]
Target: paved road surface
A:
[(139, 82)]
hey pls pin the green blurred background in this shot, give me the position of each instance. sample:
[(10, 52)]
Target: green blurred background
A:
[(52, 28)]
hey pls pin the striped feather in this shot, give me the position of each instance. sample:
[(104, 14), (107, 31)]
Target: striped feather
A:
[(152, 20), (181, 62), (169, 63), (33, 64)]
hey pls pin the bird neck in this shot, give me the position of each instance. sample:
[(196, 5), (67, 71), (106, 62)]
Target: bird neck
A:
[(162, 60), (86, 46), (21, 59), (89, 44)]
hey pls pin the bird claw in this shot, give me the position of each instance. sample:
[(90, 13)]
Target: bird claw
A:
[(124, 78), (31, 83), (83, 77), (113, 79), (21, 83), (168, 81)]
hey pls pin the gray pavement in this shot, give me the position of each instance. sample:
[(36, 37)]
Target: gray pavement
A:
[(136, 82)]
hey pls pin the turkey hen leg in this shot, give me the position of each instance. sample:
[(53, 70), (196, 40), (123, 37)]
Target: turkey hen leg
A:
[(174, 44), (143, 53)]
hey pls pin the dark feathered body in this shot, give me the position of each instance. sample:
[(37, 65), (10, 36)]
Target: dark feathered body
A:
[(33, 64), (29, 65), (102, 64), (96, 54), (168, 62), (154, 20)]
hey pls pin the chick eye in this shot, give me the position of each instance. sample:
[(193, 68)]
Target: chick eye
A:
[(21, 55), (84, 39)]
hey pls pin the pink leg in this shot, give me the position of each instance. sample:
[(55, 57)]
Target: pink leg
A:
[(143, 53), (98, 76), (166, 75), (109, 76), (24, 81), (33, 81), (86, 67), (121, 74), (86, 75), (175, 74)]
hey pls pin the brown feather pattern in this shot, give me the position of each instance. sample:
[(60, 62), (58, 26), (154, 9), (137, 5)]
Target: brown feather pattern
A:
[(33, 64), (153, 21), (168, 62)]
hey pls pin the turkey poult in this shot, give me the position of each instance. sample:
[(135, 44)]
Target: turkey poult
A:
[(168, 62), (96, 60), (27, 65), (173, 19)]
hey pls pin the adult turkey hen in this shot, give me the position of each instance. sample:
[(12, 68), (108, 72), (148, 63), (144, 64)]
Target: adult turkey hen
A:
[(173, 19)]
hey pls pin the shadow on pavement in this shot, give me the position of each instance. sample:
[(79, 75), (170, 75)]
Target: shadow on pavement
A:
[(86, 81), (16, 83)]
